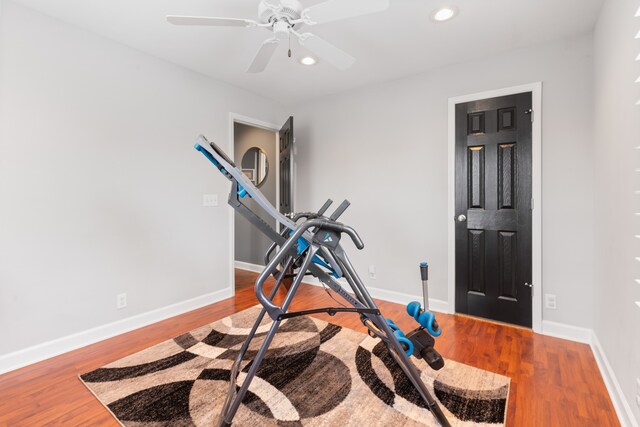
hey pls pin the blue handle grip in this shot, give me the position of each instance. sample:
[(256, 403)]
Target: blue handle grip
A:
[(402, 338), (208, 155)]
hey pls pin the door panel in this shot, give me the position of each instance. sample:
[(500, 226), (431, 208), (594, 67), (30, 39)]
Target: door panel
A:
[(286, 179), (507, 174), (476, 177), (476, 261), (286, 167), (493, 208)]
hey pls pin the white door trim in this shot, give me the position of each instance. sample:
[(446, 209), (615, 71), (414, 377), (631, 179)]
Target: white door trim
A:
[(238, 118), (536, 230)]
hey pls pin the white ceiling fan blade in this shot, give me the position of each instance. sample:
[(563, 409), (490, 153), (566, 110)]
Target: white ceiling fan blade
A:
[(210, 21), (264, 55), (327, 51), (334, 10)]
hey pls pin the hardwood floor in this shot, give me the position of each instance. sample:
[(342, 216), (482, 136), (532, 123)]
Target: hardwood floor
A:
[(554, 382)]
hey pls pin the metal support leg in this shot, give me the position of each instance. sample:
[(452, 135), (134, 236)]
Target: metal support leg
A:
[(231, 393), (410, 370), (230, 408)]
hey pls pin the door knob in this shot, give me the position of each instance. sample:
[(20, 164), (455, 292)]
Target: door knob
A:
[(462, 218)]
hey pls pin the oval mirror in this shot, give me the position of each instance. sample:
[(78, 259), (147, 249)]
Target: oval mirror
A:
[(255, 165)]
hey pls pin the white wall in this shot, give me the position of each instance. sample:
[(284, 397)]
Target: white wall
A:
[(100, 187), (617, 133), (385, 149)]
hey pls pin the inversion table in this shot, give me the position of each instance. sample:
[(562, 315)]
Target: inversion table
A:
[(309, 243)]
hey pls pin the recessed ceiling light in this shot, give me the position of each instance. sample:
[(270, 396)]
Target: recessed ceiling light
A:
[(444, 13), (308, 60)]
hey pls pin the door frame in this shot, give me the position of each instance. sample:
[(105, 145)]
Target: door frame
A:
[(249, 121), (536, 225)]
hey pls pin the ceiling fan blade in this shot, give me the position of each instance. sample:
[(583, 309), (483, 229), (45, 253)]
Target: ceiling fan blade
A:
[(327, 51), (335, 10), (264, 55), (210, 21)]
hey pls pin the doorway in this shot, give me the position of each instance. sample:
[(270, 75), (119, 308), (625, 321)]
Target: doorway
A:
[(494, 235), (264, 153), (255, 153)]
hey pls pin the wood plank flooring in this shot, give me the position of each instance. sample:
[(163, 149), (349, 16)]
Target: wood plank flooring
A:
[(554, 382)]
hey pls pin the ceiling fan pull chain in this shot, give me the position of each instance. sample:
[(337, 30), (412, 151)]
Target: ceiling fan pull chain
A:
[(289, 53)]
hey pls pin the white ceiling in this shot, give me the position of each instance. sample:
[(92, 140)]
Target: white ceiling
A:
[(399, 42)]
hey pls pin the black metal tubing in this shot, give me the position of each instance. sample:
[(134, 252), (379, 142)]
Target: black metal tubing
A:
[(231, 392), (338, 212), (363, 303), (234, 402), (273, 310), (331, 311), (251, 216)]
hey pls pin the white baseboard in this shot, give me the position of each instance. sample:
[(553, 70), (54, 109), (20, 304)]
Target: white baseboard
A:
[(392, 296), (620, 403), (248, 266), (37, 353), (567, 332), (402, 298)]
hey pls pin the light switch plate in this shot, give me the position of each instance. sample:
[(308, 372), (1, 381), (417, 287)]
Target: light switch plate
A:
[(209, 200)]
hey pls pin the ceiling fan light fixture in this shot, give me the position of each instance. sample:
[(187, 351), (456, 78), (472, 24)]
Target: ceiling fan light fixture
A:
[(308, 60), (284, 18), (444, 13)]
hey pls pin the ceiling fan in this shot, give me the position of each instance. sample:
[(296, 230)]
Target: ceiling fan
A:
[(285, 19)]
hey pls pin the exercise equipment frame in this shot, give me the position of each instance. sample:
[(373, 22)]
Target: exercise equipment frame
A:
[(308, 244)]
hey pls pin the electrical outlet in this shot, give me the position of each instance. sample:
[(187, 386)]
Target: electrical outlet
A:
[(209, 200), (550, 301), (121, 301), (372, 272)]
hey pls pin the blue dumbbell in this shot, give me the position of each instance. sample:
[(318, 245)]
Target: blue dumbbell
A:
[(426, 319)]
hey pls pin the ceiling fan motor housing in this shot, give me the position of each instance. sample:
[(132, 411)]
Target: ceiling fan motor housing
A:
[(285, 10)]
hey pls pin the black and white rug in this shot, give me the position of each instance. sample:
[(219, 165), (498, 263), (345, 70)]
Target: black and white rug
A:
[(315, 374)]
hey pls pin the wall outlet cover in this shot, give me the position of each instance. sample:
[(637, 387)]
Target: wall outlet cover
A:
[(121, 301), (550, 301)]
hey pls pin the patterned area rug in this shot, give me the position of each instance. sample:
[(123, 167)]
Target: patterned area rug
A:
[(315, 374)]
